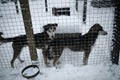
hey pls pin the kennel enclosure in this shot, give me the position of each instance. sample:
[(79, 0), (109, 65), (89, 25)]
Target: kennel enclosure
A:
[(24, 18)]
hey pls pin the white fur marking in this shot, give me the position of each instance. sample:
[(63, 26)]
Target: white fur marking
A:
[(51, 33)]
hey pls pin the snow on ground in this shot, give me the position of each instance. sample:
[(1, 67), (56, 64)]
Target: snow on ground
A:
[(98, 68), (68, 72)]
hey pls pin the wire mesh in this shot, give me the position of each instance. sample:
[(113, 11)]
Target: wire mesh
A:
[(11, 24)]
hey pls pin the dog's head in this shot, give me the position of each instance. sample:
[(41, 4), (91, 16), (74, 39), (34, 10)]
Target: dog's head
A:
[(50, 29), (97, 28)]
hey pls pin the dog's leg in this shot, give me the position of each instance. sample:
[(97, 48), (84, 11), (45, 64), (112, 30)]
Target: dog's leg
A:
[(56, 60), (46, 60), (16, 53), (45, 56), (57, 55), (20, 59), (85, 57)]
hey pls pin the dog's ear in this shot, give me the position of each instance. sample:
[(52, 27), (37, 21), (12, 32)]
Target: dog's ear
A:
[(1, 33), (45, 27), (95, 27), (48, 25), (53, 24)]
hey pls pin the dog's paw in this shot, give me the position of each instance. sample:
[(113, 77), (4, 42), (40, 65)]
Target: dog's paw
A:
[(58, 63), (85, 63), (48, 64), (22, 61), (12, 65)]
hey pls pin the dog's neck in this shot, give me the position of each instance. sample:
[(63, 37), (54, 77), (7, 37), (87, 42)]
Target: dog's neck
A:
[(91, 37)]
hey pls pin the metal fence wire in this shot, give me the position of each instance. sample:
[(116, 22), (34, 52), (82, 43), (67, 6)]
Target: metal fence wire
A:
[(74, 19)]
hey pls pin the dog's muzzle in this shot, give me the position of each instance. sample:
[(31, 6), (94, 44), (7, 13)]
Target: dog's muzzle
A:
[(103, 33), (52, 37)]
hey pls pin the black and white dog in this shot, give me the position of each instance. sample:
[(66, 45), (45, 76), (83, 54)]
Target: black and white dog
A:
[(41, 41)]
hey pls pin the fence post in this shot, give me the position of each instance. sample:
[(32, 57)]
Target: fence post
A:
[(46, 7), (76, 5), (28, 28), (116, 34), (84, 11)]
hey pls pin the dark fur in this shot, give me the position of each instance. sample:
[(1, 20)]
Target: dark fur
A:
[(80, 43), (41, 40)]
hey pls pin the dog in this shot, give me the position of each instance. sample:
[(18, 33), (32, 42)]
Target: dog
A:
[(41, 41), (79, 43)]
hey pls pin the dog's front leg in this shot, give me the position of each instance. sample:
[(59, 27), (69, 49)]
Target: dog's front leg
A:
[(57, 54), (45, 60), (85, 57), (45, 53)]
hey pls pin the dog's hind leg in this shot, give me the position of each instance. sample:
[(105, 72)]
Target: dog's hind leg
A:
[(20, 59), (16, 53), (56, 60), (85, 57)]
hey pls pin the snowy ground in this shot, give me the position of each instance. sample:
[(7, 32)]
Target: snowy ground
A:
[(69, 72), (99, 68)]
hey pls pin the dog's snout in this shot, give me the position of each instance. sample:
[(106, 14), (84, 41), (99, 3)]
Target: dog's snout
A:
[(53, 36), (103, 32)]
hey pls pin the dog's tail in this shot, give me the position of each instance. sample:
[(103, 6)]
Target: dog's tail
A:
[(4, 40)]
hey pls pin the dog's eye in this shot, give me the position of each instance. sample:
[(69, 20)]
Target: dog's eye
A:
[(101, 29), (54, 28)]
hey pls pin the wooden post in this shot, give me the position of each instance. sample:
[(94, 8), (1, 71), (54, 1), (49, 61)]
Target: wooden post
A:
[(116, 35), (46, 7), (76, 6), (28, 28), (84, 11), (16, 6)]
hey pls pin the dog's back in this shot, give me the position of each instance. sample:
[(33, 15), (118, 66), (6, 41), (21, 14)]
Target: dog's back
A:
[(75, 43)]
